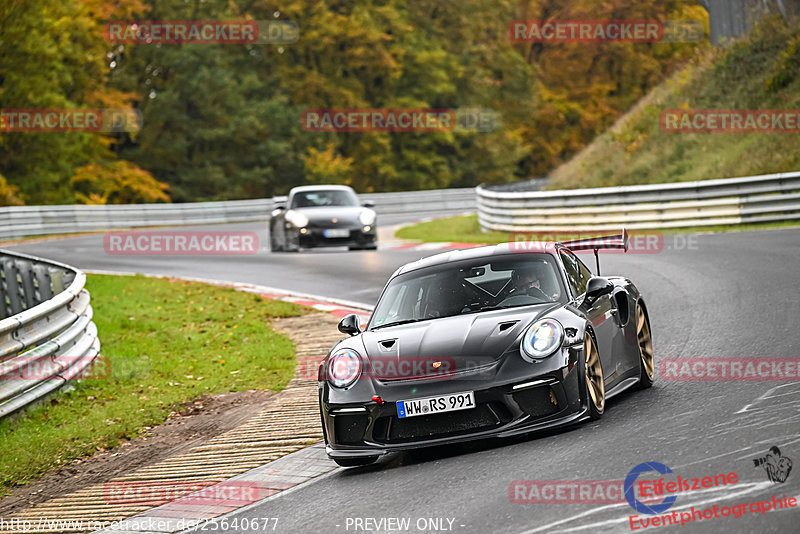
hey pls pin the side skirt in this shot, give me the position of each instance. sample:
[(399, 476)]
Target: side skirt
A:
[(622, 386)]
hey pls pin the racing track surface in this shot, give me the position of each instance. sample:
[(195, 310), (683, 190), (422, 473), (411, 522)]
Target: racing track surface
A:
[(732, 294)]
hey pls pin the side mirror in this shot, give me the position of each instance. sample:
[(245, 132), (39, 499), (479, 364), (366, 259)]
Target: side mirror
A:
[(597, 287), (368, 204), (350, 325), (279, 206)]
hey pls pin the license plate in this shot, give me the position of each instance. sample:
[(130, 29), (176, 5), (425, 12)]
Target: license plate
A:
[(336, 232), (440, 404)]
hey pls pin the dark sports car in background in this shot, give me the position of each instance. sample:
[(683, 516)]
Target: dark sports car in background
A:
[(486, 342), (322, 216)]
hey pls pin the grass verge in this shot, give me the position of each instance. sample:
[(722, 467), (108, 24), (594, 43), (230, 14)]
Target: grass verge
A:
[(164, 343), (465, 229), (760, 72)]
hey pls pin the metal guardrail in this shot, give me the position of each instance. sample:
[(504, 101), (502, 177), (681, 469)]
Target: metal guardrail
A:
[(47, 336), (21, 221), (752, 199)]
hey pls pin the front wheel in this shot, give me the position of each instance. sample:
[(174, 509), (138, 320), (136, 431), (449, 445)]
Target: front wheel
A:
[(647, 361), (595, 388), (356, 462), (273, 243), (290, 246)]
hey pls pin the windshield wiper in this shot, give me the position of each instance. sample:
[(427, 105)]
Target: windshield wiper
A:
[(397, 323)]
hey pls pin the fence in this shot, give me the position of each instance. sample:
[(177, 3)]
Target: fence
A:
[(47, 336), (748, 200), (20, 221), (733, 18)]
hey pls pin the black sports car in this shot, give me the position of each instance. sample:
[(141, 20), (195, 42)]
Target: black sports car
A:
[(322, 216), (491, 341)]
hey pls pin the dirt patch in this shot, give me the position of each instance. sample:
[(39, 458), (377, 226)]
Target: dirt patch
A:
[(196, 423)]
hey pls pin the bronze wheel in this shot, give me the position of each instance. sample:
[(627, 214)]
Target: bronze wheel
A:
[(645, 349), (594, 378)]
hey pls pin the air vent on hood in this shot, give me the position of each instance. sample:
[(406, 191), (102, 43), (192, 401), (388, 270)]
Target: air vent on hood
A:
[(502, 327), (387, 344)]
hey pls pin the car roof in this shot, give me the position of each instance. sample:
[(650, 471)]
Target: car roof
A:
[(502, 249), (331, 187)]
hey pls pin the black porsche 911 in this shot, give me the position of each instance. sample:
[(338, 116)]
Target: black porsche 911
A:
[(485, 342), (322, 216)]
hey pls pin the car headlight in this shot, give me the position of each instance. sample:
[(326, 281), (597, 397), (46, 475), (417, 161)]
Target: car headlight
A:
[(296, 218), (367, 217), (542, 338), (344, 367)]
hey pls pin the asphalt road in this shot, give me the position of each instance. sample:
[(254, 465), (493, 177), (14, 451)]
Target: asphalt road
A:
[(716, 295)]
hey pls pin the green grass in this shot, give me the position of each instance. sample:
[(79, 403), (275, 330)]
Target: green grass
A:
[(459, 229), (760, 73), (164, 343), (465, 229)]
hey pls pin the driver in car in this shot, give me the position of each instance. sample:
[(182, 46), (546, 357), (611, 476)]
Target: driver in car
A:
[(525, 281)]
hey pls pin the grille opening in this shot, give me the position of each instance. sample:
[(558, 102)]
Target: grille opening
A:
[(482, 417), (350, 428), (537, 401)]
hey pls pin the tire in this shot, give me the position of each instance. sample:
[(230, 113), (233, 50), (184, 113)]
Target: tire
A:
[(647, 360), (356, 462), (593, 378), (290, 248), (273, 244)]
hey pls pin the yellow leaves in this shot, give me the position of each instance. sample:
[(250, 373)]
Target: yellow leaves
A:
[(117, 182), (8, 193), (327, 166)]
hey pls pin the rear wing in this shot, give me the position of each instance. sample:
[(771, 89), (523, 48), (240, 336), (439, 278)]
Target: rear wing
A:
[(618, 241)]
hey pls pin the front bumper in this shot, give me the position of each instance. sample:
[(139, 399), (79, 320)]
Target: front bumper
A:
[(506, 409), (357, 237)]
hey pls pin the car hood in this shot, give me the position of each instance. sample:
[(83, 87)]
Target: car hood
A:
[(344, 214), (457, 343)]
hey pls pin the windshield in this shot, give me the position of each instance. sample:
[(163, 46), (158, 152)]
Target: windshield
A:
[(468, 287), (325, 197)]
